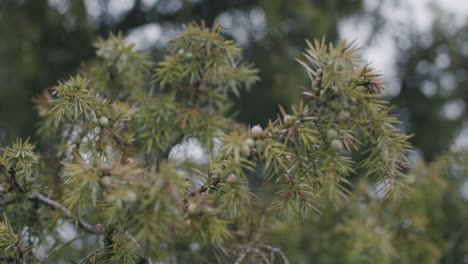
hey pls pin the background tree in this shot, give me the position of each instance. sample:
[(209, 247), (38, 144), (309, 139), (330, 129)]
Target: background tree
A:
[(40, 46), (433, 81), (428, 226)]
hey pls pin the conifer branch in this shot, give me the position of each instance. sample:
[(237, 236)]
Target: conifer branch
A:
[(254, 248)]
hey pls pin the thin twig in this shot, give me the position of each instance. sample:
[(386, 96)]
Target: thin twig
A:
[(6, 201), (241, 257), (96, 229), (250, 249), (90, 255), (55, 249), (261, 254), (11, 259), (275, 250), (203, 188), (11, 174)]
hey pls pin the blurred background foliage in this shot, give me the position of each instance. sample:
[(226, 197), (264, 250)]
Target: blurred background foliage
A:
[(42, 41)]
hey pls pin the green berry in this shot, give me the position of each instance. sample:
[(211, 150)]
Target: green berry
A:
[(249, 142), (336, 145), (106, 180), (131, 196), (331, 133), (231, 179), (288, 120), (103, 120), (192, 209), (245, 150), (256, 131), (344, 115)]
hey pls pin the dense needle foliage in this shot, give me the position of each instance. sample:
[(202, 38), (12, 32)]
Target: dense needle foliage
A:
[(120, 169)]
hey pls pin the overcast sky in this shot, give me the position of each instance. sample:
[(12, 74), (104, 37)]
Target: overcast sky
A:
[(382, 52)]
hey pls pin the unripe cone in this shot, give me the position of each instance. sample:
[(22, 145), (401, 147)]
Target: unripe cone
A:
[(192, 209), (249, 142), (131, 196), (245, 150), (332, 134), (103, 120), (232, 178), (288, 120), (336, 145), (256, 131), (344, 115), (106, 180)]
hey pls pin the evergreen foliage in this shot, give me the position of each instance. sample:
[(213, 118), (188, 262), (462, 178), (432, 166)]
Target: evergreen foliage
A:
[(122, 126)]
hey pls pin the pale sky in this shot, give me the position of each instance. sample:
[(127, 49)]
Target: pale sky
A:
[(382, 52)]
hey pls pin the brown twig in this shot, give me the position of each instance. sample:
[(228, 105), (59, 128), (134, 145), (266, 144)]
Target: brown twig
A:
[(254, 248), (6, 201), (203, 188), (275, 250), (94, 254), (96, 229), (10, 259), (11, 175), (250, 249)]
